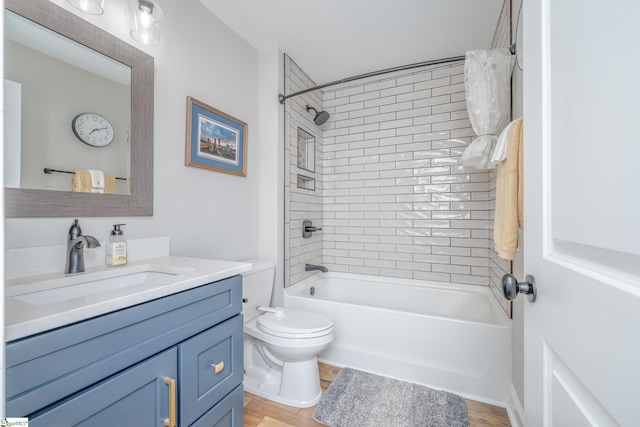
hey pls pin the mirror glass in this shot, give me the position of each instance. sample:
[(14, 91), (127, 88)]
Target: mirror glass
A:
[(98, 74), (49, 80)]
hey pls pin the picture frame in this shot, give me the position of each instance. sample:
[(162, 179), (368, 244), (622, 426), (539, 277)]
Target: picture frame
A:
[(215, 140)]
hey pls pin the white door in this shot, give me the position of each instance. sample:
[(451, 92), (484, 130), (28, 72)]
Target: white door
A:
[(582, 212)]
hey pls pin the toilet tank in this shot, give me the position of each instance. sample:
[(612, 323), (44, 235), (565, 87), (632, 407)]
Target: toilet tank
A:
[(257, 286)]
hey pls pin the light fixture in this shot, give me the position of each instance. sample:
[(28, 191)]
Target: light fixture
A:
[(145, 21), (92, 7)]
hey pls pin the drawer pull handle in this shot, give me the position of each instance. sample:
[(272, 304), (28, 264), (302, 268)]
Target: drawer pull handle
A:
[(217, 367), (171, 421)]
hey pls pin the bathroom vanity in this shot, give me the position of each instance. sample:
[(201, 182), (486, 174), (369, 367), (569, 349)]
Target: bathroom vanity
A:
[(170, 355)]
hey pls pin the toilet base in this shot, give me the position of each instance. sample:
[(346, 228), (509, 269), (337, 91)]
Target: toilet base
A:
[(297, 384)]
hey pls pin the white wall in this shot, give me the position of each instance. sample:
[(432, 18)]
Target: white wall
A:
[(206, 214), (272, 167)]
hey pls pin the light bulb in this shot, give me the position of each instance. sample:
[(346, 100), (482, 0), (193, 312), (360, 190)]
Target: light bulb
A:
[(145, 21)]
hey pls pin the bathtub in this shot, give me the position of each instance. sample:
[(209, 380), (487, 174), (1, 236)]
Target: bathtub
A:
[(446, 336)]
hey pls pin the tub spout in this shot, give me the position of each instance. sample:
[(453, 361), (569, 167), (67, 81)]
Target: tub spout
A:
[(311, 267)]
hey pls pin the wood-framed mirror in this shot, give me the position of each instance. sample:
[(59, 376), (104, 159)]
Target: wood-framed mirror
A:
[(21, 203)]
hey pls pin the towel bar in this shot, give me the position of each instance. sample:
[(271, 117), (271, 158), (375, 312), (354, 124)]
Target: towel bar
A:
[(50, 171)]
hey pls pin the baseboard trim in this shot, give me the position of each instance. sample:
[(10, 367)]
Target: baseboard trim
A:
[(514, 409)]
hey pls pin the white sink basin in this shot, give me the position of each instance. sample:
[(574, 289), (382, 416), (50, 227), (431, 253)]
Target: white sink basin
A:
[(34, 304), (83, 285)]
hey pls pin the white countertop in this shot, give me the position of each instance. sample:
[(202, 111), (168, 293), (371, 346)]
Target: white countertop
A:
[(23, 319)]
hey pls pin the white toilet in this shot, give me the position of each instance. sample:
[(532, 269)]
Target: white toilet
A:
[(280, 345)]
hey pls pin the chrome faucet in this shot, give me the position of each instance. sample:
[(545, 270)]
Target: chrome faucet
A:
[(75, 249), (311, 267)]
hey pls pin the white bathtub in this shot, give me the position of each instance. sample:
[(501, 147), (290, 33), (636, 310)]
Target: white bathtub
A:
[(446, 336)]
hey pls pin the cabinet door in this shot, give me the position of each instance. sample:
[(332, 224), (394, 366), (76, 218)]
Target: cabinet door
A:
[(210, 368), (137, 397)]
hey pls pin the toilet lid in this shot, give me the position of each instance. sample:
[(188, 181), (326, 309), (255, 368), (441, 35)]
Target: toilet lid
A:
[(296, 323)]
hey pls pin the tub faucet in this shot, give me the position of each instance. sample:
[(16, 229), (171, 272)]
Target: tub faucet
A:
[(311, 267), (75, 249)]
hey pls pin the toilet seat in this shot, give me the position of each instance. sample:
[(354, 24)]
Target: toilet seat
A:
[(295, 324)]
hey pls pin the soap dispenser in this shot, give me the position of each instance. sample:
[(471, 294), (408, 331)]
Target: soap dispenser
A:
[(117, 247)]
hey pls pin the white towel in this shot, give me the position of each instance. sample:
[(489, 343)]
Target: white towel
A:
[(97, 181), (500, 151)]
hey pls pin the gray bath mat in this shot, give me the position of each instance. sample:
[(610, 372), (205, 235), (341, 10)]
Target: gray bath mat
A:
[(360, 399)]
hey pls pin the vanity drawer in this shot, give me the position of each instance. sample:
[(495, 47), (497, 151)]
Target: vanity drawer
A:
[(47, 367), (210, 367), (227, 413)]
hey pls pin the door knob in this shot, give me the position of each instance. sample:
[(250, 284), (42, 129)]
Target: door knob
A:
[(511, 287)]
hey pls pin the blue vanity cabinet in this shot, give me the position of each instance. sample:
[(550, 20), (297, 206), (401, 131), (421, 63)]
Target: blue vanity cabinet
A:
[(117, 369)]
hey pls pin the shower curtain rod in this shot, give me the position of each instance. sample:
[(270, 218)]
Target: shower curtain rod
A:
[(283, 98)]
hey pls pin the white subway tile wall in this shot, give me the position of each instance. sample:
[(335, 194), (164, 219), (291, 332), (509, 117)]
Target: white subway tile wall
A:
[(300, 203), (396, 200)]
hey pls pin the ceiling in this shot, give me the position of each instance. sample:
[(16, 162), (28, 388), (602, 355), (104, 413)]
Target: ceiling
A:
[(336, 39)]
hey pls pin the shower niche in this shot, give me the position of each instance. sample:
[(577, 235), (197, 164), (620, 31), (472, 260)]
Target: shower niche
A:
[(306, 159)]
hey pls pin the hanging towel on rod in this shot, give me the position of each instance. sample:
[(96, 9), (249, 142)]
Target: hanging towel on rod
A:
[(500, 152), (81, 181), (93, 181), (110, 183), (97, 180), (509, 215)]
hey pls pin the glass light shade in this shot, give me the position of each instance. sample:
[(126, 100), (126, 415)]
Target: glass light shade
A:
[(92, 7), (145, 21)]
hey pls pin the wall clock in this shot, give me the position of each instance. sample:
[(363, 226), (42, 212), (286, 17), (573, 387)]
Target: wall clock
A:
[(93, 129)]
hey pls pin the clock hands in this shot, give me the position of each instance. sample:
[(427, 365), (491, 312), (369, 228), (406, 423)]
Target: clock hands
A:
[(97, 130)]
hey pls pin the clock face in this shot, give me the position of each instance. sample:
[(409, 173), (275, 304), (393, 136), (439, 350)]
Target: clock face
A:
[(92, 129)]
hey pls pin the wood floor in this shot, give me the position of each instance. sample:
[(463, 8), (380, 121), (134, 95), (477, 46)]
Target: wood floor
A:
[(256, 409)]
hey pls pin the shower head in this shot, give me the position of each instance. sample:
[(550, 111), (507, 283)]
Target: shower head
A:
[(321, 117)]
